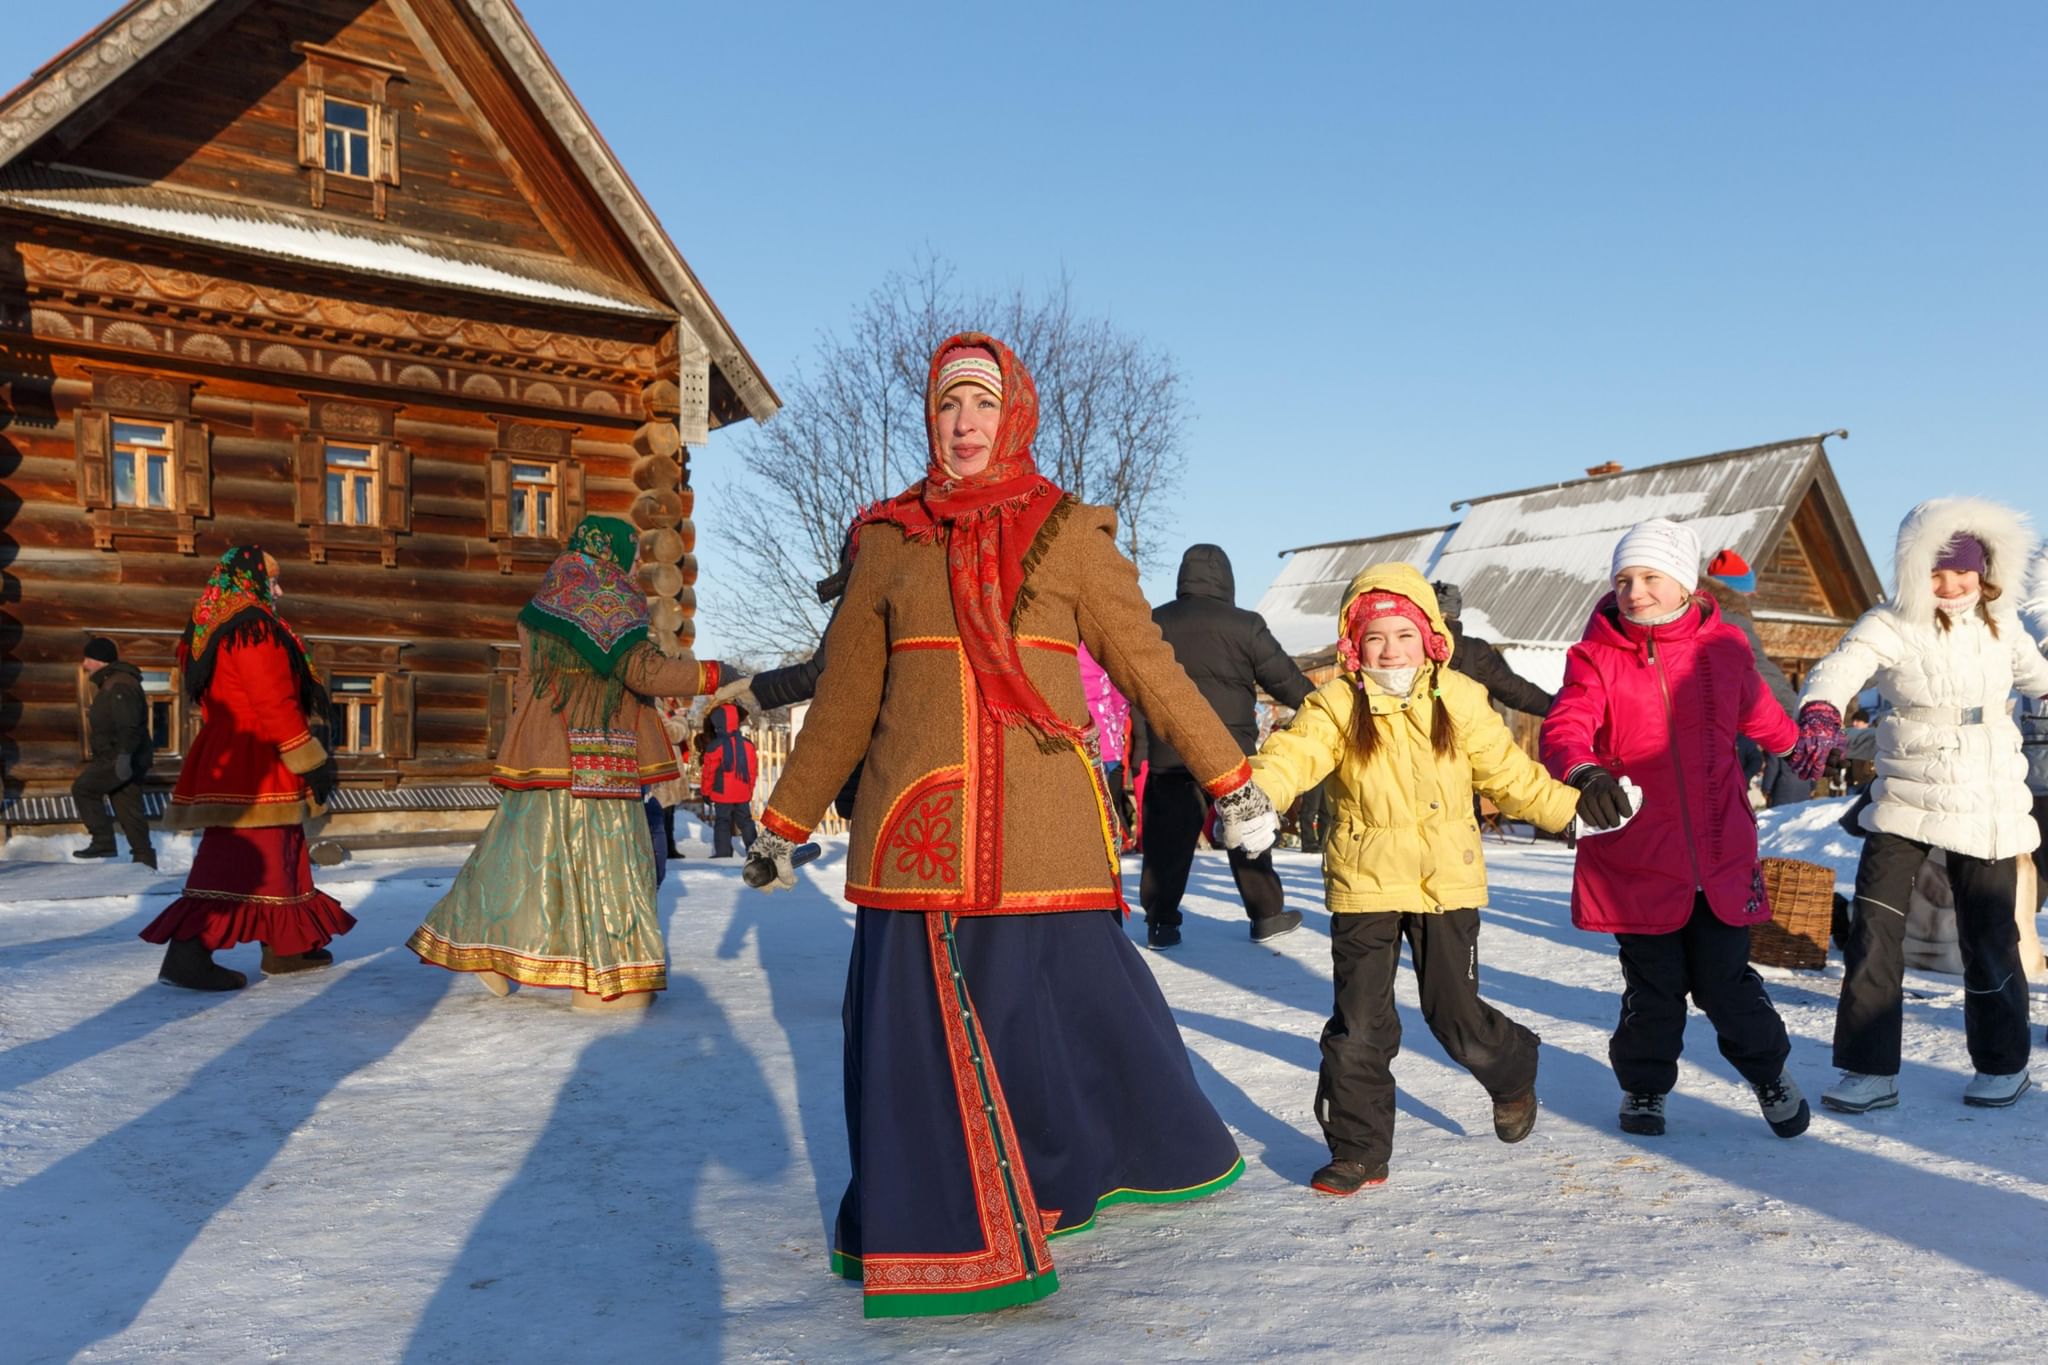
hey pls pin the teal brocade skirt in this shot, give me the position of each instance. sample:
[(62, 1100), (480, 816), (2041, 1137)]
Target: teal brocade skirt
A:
[(559, 891)]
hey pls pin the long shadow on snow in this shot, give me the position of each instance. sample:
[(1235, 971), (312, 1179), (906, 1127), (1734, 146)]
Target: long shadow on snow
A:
[(127, 1020), (591, 1252), (802, 938), (17, 955), (119, 1214)]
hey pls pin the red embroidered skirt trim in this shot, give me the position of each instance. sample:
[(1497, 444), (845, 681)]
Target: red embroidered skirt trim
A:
[(252, 886)]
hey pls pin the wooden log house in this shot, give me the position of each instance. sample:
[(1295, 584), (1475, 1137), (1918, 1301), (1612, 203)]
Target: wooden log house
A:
[(357, 280)]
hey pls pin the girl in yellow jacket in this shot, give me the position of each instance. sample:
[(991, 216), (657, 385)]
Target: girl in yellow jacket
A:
[(1409, 741)]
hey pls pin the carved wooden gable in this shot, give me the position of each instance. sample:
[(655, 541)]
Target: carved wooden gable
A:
[(379, 111)]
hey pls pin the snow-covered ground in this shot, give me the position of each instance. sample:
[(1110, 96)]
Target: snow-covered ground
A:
[(384, 1162)]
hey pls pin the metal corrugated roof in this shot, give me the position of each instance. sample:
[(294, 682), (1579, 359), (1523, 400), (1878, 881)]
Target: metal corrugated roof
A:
[(1301, 604), (1535, 562), (1532, 563)]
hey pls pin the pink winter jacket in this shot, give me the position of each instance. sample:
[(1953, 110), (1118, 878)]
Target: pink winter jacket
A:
[(1106, 705), (1663, 705)]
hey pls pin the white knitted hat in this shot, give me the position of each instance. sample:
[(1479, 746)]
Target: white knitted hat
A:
[(1666, 546)]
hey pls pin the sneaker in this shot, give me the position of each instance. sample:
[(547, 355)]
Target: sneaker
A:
[(1987, 1091), (1347, 1177), (1642, 1113), (1784, 1107), (1513, 1119), (1857, 1093), (1272, 926), (1162, 936)]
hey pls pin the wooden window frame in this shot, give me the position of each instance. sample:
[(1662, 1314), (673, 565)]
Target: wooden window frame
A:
[(151, 651), (352, 422), (533, 443), (129, 396), (343, 656), (348, 78)]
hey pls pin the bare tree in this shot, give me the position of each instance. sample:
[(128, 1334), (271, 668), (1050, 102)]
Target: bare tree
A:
[(852, 432)]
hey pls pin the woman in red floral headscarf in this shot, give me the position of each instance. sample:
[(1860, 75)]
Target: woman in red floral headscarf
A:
[(250, 779), (1011, 1066)]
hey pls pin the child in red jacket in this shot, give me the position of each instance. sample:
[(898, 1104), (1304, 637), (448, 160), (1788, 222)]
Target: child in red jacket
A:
[(1657, 691), (730, 771)]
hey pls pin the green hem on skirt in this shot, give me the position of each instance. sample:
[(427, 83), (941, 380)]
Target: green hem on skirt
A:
[(1115, 1197), (970, 1301)]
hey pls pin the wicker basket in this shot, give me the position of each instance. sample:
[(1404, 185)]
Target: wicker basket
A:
[(1802, 899)]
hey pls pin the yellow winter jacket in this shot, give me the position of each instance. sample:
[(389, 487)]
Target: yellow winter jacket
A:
[(1402, 835)]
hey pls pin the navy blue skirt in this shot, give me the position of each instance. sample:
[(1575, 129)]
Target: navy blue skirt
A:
[(1006, 1077)]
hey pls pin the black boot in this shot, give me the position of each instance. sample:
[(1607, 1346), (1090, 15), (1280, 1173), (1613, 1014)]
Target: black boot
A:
[(1347, 1177), (96, 851), (188, 963)]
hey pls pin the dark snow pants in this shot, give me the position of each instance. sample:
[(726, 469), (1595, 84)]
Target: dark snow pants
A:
[(95, 786), (1709, 960), (730, 816), (1175, 809), (1355, 1092), (1870, 1018)]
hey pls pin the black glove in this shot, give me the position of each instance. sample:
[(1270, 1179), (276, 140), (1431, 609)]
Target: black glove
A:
[(1602, 802), (124, 768), (321, 782)]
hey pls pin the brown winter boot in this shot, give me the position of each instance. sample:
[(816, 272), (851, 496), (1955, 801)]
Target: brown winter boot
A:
[(284, 964), (1512, 1119), (187, 963)]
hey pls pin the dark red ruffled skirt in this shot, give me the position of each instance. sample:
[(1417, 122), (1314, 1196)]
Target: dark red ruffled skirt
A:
[(252, 886)]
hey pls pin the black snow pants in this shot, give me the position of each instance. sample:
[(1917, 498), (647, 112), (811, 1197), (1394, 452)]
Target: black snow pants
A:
[(1870, 1018), (1355, 1091), (1175, 809), (1709, 960), (97, 785)]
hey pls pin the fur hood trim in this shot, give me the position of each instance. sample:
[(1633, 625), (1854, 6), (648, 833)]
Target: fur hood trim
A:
[(1927, 530), (2034, 605)]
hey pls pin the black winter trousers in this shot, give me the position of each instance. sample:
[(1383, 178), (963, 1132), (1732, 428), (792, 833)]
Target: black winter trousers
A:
[(1175, 809), (1870, 1017), (95, 786), (1311, 819), (1355, 1091), (1709, 960), (730, 816)]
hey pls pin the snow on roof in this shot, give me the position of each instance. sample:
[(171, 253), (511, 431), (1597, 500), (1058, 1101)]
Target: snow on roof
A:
[(1531, 564), (1301, 604), (397, 256)]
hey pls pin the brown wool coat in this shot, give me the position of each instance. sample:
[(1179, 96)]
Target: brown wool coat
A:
[(955, 812), (535, 751)]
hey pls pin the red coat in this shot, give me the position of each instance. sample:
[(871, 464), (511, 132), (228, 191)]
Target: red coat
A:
[(1663, 705), (722, 783), (245, 767)]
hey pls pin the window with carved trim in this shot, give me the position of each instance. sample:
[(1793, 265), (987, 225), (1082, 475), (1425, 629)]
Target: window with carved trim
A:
[(145, 464), (533, 491), (348, 128), (353, 478)]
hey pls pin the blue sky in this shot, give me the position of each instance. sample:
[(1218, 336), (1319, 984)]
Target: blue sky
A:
[(1403, 253)]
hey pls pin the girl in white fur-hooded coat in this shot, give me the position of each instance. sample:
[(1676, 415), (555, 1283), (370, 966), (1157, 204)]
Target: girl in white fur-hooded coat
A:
[(1946, 650)]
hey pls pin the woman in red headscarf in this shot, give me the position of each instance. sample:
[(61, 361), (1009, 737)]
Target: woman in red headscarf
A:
[(1011, 1066)]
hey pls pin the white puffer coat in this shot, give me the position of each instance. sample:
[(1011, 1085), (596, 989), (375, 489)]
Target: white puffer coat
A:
[(2033, 711), (1949, 768)]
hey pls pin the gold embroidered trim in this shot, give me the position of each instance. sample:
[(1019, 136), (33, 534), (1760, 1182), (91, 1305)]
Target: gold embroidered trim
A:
[(200, 893), (625, 979)]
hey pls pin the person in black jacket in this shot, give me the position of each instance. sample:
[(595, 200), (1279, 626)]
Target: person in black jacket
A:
[(117, 737), (1229, 654), (1478, 660), (1732, 583)]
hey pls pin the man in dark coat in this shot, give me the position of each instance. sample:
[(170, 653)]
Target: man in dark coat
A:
[(117, 736), (1478, 660), (1229, 654)]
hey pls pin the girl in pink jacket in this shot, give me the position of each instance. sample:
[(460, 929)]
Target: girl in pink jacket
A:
[(1656, 691)]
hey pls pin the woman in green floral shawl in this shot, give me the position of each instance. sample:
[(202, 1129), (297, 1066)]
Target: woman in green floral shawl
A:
[(560, 889)]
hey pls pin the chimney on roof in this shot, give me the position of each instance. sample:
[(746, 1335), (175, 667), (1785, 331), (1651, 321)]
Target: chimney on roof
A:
[(1601, 471)]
